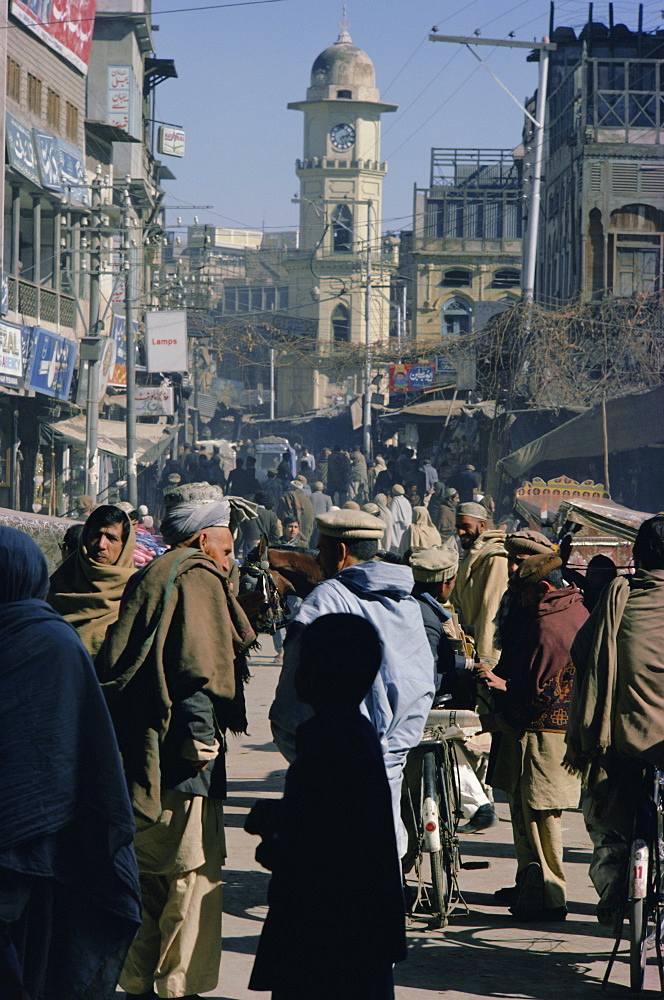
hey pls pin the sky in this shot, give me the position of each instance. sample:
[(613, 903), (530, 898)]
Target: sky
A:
[(239, 64)]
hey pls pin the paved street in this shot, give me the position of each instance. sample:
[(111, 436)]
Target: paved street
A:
[(481, 954)]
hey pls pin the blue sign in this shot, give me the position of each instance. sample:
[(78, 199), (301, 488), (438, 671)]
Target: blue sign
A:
[(52, 364), (72, 173), (4, 294), (21, 150), (48, 154), (421, 376)]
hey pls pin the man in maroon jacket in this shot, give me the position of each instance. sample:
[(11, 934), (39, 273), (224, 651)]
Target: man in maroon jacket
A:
[(532, 692)]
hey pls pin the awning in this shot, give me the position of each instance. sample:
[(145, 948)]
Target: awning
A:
[(633, 421), (606, 516), (440, 409), (151, 439)]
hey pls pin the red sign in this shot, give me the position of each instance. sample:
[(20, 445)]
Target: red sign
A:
[(64, 25)]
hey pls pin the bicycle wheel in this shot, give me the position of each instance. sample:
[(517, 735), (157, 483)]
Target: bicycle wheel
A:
[(447, 809), (638, 908), (433, 842)]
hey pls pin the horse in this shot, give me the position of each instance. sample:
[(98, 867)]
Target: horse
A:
[(274, 573)]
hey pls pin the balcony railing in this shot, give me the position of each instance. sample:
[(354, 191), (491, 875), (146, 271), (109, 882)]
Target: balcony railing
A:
[(40, 303)]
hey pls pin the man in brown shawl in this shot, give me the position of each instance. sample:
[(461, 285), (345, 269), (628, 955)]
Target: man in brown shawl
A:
[(294, 504), (168, 671), (532, 718), (86, 589), (482, 577), (617, 709)]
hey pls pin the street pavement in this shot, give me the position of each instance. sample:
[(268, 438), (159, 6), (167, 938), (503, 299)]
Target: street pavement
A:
[(482, 953)]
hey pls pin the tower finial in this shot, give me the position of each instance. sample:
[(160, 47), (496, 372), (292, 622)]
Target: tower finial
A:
[(344, 24)]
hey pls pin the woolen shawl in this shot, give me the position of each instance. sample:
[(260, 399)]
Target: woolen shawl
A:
[(65, 811), (87, 593), (386, 517), (179, 631), (422, 534)]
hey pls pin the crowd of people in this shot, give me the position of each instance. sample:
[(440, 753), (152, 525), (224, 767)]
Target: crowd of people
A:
[(123, 675)]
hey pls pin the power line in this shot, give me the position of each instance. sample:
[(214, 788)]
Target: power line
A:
[(175, 10)]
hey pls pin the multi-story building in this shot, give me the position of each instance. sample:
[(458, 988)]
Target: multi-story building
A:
[(462, 261), (602, 223), (69, 152)]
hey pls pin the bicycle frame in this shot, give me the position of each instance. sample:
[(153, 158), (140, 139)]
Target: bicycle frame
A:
[(643, 902)]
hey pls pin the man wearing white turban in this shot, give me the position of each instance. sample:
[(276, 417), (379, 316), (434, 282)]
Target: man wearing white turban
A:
[(168, 669)]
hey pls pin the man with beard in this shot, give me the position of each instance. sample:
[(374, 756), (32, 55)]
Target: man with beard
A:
[(532, 719), (169, 670), (482, 577)]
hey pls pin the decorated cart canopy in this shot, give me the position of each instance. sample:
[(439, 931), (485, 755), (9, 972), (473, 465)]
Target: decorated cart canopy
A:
[(46, 531)]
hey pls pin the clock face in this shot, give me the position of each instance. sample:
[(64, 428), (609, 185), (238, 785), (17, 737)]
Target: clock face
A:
[(342, 136)]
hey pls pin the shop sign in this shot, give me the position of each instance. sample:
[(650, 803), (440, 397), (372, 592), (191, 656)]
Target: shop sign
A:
[(171, 140), (72, 173), (118, 327), (166, 340), (412, 378), (119, 97), (52, 366), (21, 150), (65, 27), (154, 401), (11, 355), (4, 294), (48, 155)]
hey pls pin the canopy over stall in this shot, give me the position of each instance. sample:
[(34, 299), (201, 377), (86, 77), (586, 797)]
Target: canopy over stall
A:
[(633, 421), (605, 516), (151, 439)]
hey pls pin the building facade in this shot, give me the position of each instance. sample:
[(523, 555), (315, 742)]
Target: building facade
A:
[(462, 261), (602, 223)]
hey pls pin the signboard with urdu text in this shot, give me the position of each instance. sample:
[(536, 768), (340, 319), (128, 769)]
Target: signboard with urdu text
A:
[(171, 140), (66, 26), (412, 378), (166, 341), (11, 355), (154, 401), (21, 153), (52, 365)]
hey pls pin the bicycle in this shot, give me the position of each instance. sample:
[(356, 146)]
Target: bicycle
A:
[(437, 811), (643, 897)]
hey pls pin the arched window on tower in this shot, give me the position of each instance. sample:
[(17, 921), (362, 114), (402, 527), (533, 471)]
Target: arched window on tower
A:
[(457, 317), (342, 229), (340, 325)]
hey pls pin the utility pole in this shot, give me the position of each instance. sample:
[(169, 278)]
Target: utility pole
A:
[(92, 403), (366, 416), (545, 47), (132, 485), (272, 383)]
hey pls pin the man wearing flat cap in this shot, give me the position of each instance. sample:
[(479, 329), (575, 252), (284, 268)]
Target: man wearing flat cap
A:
[(168, 670), (434, 571), (532, 718), (482, 577), (357, 584)]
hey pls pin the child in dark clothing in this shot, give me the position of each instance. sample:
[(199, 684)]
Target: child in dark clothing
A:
[(336, 922)]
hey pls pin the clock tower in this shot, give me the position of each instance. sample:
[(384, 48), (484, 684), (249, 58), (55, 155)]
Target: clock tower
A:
[(341, 179)]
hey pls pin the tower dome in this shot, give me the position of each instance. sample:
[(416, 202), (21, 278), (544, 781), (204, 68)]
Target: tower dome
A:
[(343, 67)]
